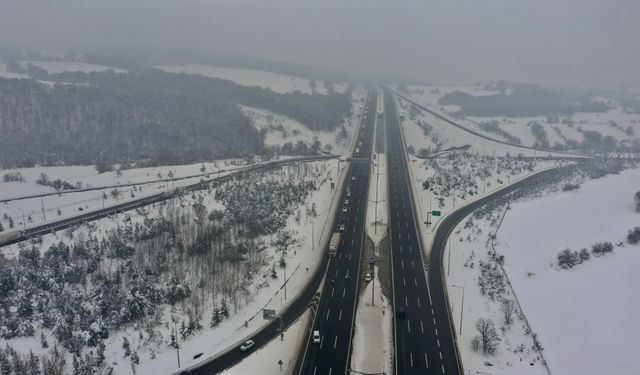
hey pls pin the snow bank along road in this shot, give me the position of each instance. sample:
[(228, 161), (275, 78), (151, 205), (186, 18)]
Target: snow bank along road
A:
[(424, 342), (335, 314), (17, 236)]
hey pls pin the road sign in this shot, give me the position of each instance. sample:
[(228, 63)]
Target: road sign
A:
[(268, 314), (435, 213)]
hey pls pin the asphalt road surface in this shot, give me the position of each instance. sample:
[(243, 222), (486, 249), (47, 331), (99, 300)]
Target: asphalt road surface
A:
[(423, 336), (336, 312)]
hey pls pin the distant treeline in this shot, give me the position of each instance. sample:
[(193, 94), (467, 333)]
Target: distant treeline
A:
[(525, 100), (168, 118)]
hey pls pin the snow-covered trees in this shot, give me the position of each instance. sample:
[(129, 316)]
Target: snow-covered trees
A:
[(568, 258), (508, 307), (633, 237), (601, 248), (491, 280), (487, 337)]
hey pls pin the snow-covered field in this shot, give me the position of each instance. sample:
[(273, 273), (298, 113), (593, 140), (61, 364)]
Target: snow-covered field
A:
[(279, 83), (68, 203), (582, 317), (53, 67), (615, 122), (585, 317)]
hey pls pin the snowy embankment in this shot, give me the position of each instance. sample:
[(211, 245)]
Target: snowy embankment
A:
[(69, 203), (276, 82)]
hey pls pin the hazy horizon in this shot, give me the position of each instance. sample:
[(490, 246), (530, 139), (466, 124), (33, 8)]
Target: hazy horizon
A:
[(573, 42)]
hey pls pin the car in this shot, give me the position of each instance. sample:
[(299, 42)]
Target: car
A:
[(316, 337), (348, 193), (353, 178), (402, 313), (367, 277), (247, 345), (345, 210), (342, 227), (346, 202)]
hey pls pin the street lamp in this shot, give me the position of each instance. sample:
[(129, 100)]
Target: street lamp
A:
[(24, 222), (461, 305)]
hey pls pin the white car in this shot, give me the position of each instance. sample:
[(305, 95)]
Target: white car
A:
[(367, 276), (247, 345), (342, 227), (316, 337), (345, 210)]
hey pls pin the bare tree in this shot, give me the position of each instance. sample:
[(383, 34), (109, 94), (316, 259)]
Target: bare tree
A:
[(488, 336), (508, 307)]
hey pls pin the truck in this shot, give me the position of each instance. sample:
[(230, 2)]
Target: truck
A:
[(333, 245), (10, 237)]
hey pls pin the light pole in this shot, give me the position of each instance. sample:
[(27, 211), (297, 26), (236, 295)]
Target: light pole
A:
[(461, 305), (24, 221)]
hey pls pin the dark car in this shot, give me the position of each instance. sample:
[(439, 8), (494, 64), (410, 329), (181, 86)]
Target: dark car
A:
[(402, 313)]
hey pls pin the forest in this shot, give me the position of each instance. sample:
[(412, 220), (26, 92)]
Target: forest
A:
[(146, 115)]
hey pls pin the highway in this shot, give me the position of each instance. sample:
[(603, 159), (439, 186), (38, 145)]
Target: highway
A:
[(424, 342), (335, 314)]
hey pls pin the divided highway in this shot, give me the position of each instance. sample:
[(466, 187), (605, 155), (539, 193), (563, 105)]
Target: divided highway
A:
[(335, 314), (424, 341)]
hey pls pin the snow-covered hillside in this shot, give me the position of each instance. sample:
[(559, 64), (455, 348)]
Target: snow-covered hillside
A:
[(279, 83)]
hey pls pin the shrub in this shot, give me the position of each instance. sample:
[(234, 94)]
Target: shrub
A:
[(601, 248), (634, 236), (568, 258)]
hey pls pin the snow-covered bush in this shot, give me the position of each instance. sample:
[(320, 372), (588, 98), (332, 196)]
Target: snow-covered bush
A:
[(601, 248), (634, 236)]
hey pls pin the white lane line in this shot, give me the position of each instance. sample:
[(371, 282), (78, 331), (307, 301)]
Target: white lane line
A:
[(408, 326), (406, 302), (411, 358), (409, 249), (442, 366), (336, 271), (321, 341), (404, 282), (330, 369), (400, 249), (432, 313), (436, 332), (332, 290), (415, 281), (441, 356), (412, 266), (402, 263), (327, 317), (352, 241), (438, 340), (422, 329), (345, 290), (418, 301), (425, 360), (335, 342), (314, 369), (340, 315)]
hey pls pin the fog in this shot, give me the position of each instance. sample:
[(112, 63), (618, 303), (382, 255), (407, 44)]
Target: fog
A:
[(576, 42)]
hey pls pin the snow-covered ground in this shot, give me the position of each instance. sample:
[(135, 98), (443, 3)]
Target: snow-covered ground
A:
[(279, 83), (517, 126), (373, 341), (584, 316), (302, 259), (281, 129), (53, 67), (70, 202)]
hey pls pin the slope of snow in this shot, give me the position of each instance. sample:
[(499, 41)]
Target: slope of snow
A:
[(584, 316), (279, 83), (53, 67)]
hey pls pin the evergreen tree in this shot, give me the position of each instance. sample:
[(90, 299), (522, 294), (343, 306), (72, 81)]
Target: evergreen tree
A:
[(224, 311), (33, 364), (215, 318), (126, 346), (43, 341), (183, 331)]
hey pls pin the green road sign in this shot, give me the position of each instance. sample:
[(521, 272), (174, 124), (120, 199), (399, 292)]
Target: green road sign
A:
[(435, 213)]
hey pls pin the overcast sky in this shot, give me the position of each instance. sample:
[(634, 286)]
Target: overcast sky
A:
[(547, 41)]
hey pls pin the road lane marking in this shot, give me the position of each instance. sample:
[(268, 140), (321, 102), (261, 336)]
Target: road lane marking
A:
[(340, 315), (345, 290), (415, 281), (411, 358), (422, 329), (404, 282), (441, 356), (425, 360), (432, 313), (442, 366), (335, 342), (412, 266), (436, 331), (418, 301), (327, 317), (314, 369), (438, 340), (332, 290), (434, 322), (321, 341), (408, 326), (406, 302)]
